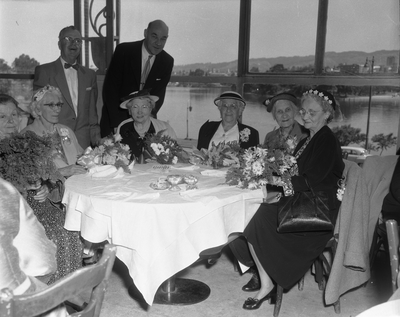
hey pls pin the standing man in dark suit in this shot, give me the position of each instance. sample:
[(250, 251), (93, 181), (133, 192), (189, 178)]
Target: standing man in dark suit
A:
[(78, 85), (135, 66)]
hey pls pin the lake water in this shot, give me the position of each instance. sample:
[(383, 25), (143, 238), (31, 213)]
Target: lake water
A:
[(384, 116)]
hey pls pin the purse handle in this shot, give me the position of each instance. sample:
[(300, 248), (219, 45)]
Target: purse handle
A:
[(308, 185)]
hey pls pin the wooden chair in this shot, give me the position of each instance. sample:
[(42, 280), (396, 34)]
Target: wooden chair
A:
[(322, 270), (93, 278), (394, 251)]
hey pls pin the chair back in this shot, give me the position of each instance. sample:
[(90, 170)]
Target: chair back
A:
[(394, 252), (93, 278)]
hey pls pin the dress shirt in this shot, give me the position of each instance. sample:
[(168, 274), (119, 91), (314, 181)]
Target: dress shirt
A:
[(145, 56), (72, 80), (220, 135)]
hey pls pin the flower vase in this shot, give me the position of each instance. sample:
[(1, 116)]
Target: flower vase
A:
[(265, 193)]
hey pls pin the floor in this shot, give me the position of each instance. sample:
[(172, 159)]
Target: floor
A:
[(226, 297)]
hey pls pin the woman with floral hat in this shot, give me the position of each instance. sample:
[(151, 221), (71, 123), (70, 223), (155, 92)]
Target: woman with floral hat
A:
[(284, 258), (45, 109)]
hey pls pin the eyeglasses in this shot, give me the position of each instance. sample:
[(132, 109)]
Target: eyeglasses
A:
[(231, 106), (311, 113), (54, 106), (136, 107), (76, 41)]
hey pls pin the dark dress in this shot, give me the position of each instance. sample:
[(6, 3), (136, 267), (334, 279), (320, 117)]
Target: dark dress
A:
[(287, 256), (131, 138), (391, 202), (208, 129), (69, 246)]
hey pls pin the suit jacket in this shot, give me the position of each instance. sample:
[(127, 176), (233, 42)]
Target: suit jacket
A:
[(378, 172), (123, 77), (86, 124), (208, 130), (350, 267)]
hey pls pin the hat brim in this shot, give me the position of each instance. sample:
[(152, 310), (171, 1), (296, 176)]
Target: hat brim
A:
[(273, 100), (232, 98), (151, 97)]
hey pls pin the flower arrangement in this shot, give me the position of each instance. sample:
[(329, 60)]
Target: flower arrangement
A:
[(165, 149), (26, 159), (220, 155), (110, 152), (257, 166)]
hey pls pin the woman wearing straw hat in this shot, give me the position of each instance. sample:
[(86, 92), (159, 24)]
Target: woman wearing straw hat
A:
[(133, 130), (231, 106)]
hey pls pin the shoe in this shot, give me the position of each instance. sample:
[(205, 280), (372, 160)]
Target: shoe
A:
[(252, 285), (75, 307), (254, 303)]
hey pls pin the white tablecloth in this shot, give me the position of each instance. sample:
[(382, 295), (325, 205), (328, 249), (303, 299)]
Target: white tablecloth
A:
[(157, 233)]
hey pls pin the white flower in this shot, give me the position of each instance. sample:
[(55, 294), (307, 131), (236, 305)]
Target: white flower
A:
[(244, 135), (108, 142), (64, 132), (258, 168), (175, 160), (117, 137)]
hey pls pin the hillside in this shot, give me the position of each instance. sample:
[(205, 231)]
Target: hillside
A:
[(332, 59)]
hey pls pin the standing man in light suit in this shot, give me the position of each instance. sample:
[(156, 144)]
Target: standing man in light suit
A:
[(136, 66), (78, 85)]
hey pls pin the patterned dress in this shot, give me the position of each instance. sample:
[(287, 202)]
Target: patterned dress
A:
[(69, 245)]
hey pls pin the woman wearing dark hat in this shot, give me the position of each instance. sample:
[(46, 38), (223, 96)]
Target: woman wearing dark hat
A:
[(230, 105), (284, 258), (133, 130), (284, 108)]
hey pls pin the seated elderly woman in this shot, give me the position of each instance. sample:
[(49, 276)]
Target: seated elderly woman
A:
[(284, 108), (285, 257), (231, 106), (133, 131), (45, 108)]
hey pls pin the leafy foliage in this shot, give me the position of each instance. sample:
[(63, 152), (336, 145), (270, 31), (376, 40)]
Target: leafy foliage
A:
[(383, 142), (24, 64), (346, 135)]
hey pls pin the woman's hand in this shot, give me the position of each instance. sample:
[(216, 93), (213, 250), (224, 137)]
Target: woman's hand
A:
[(70, 170), (277, 181), (42, 194)]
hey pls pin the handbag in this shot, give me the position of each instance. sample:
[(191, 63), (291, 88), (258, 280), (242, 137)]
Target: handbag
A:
[(304, 211)]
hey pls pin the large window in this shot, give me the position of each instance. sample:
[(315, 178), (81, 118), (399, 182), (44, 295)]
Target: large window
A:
[(283, 35), (362, 31)]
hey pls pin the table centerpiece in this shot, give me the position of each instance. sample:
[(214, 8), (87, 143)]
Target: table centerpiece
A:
[(110, 151), (164, 149)]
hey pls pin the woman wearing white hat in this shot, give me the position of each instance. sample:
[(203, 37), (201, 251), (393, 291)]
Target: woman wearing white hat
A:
[(133, 130), (231, 106)]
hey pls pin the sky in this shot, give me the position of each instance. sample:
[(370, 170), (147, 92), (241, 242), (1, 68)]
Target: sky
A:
[(202, 31)]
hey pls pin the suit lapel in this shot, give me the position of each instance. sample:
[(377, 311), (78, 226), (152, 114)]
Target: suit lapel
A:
[(82, 85), (136, 63)]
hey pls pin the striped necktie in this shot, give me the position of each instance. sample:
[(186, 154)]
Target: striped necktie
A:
[(145, 73)]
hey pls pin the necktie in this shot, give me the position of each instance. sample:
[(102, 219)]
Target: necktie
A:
[(145, 73), (75, 66)]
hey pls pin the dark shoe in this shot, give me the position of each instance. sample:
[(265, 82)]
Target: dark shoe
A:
[(75, 307), (254, 303), (252, 285)]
